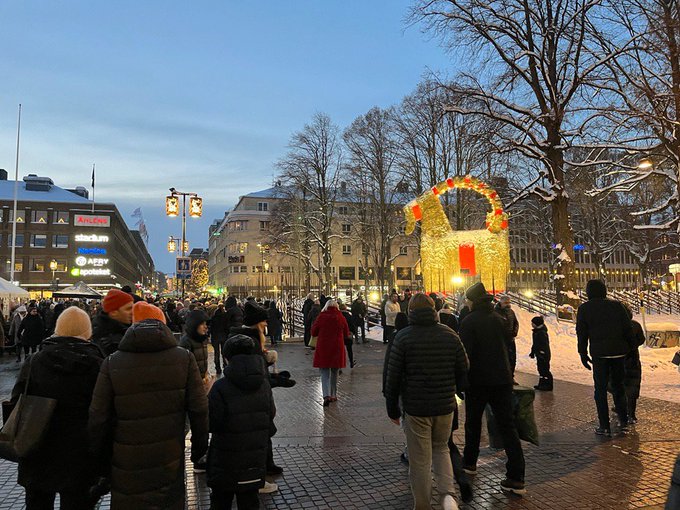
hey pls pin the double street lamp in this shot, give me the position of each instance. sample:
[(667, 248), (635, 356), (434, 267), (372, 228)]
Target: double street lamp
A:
[(264, 267), (53, 267), (172, 209)]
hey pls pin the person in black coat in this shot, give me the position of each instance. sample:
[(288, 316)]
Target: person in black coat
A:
[(359, 311), (234, 313), (241, 413), (604, 328), (504, 309), (111, 323), (633, 368), (540, 349), (314, 312), (219, 331), (306, 308), (274, 323), (483, 334), (31, 331), (353, 331), (66, 369)]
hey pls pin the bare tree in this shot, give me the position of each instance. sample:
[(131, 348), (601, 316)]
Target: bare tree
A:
[(534, 59)]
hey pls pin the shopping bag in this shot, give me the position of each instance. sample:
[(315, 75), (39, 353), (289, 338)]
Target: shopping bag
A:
[(525, 421), (312, 342)]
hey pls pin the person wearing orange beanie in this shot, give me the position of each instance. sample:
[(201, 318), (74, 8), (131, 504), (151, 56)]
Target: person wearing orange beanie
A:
[(111, 323), (143, 311)]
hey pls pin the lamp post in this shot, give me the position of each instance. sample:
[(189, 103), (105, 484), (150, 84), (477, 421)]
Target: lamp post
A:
[(263, 249), (172, 210), (53, 268)]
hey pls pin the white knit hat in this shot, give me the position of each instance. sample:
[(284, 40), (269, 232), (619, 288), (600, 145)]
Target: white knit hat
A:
[(74, 322)]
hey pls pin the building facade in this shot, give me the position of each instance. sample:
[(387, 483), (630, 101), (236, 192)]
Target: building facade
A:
[(61, 239)]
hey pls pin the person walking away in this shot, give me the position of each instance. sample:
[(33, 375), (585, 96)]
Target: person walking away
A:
[(403, 302), (14, 326), (604, 329), (66, 370), (218, 335), (331, 329), (143, 395), (274, 323), (504, 309), (391, 310), (312, 315), (483, 333), (359, 311), (384, 301), (352, 333), (31, 331), (633, 368), (540, 349), (111, 323), (426, 364), (447, 318), (195, 339), (306, 308), (241, 412)]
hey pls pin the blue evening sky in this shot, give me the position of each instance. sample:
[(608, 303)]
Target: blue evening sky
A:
[(202, 96)]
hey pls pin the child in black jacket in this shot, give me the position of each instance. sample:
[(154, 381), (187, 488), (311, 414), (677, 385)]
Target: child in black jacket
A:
[(540, 350)]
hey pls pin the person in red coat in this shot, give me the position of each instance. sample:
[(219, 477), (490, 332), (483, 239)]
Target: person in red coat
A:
[(331, 329)]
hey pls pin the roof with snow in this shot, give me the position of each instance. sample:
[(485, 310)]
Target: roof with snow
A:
[(46, 193), (341, 196)]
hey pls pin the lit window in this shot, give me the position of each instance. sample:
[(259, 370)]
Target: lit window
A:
[(39, 217), (21, 216), (61, 217), (18, 266), (36, 265)]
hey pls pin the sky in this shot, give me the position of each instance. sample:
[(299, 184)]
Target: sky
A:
[(200, 96)]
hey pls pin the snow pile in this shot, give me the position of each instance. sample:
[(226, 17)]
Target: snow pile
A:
[(662, 326)]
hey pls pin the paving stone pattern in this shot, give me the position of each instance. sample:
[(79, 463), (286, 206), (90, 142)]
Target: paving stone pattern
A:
[(346, 456)]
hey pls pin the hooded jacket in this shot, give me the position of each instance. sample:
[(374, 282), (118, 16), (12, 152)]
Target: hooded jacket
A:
[(143, 395), (603, 323), (234, 317), (483, 334), (426, 365), (195, 343), (241, 411), (107, 332), (66, 369)]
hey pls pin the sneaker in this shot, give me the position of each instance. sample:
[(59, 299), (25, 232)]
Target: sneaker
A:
[(274, 470), (448, 503), (268, 488), (200, 467), (470, 470), (513, 486), (601, 431), (465, 492)]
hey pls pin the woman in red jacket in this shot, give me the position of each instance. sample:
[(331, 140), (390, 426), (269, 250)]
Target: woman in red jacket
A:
[(331, 329)]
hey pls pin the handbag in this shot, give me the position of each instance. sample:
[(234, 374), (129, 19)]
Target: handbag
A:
[(676, 359), (312, 342), (25, 429)]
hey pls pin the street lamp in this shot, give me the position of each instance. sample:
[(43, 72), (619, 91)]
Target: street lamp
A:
[(645, 164), (172, 210), (53, 268)]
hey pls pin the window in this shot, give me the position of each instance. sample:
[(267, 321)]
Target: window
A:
[(61, 266), (285, 269), (342, 210), (39, 217), (402, 230), (403, 250), (38, 240), (346, 228), (244, 269), (21, 216), (346, 249), (239, 226), (60, 241), (36, 265), (262, 206), (264, 225), (61, 217), (238, 247), (18, 265), (20, 241)]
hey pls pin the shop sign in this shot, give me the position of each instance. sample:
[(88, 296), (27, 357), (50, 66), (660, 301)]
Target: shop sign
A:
[(90, 272), (90, 220), (91, 238), (91, 261), (91, 251)]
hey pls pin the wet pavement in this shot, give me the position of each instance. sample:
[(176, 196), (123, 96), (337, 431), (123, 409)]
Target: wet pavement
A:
[(346, 456)]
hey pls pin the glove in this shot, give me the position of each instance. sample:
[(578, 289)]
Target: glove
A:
[(586, 361), (532, 355)]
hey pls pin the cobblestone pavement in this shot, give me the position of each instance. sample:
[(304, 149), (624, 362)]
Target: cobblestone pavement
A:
[(347, 455)]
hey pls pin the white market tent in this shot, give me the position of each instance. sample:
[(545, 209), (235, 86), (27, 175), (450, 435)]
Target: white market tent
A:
[(79, 290), (10, 291)]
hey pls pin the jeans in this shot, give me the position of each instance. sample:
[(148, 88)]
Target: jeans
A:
[(221, 500), (500, 399), (360, 324), (70, 500), (427, 441), (329, 381), (217, 347), (605, 369)]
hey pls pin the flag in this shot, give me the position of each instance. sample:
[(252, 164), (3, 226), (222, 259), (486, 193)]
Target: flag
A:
[(93, 176), (137, 213)]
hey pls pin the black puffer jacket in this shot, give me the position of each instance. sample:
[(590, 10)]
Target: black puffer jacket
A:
[(483, 334), (195, 343), (32, 330), (234, 317), (604, 323), (142, 398), (241, 411), (65, 369), (107, 332), (540, 341), (426, 362)]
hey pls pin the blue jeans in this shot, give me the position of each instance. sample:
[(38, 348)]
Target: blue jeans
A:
[(329, 381)]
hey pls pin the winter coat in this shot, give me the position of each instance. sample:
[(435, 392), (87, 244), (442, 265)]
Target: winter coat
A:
[(541, 341), (66, 369), (403, 304), (632, 366), (32, 330), (359, 308), (107, 332), (604, 323), (382, 312), (331, 329), (425, 366), (448, 319), (241, 413), (195, 343), (234, 316), (391, 311), (483, 334), (274, 321), (312, 315), (143, 395), (350, 324), (464, 312), (306, 308), (510, 321), (219, 327), (14, 328)]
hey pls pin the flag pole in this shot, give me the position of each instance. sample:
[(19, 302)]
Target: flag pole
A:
[(92, 188), (16, 192)]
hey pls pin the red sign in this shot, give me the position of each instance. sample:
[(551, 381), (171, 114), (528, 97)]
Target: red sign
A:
[(89, 220)]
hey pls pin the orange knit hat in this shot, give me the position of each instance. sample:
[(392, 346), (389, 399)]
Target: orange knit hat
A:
[(115, 299), (143, 310)]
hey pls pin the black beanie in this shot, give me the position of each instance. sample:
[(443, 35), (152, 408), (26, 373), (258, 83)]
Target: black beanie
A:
[(538, 320), (238, 344), (477, 292), (252, 314)]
